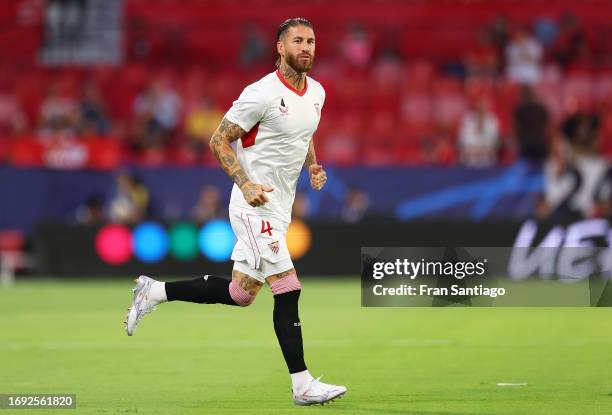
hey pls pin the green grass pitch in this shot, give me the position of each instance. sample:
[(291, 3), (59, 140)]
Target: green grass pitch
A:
[(68, 337)]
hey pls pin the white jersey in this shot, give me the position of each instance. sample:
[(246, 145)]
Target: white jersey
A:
[(280, 122)]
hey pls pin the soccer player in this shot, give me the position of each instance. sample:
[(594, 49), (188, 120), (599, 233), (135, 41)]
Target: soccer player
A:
[(273, 122)]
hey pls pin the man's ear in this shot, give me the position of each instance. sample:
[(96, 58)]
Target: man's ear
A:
[(280, 48)]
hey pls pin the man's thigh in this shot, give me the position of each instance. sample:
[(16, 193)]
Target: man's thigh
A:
[(246, 282), (273, 278)]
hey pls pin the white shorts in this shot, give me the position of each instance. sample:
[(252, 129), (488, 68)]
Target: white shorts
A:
[(261, 249)]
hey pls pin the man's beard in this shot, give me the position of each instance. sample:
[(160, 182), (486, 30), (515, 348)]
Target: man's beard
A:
[(298, 65)]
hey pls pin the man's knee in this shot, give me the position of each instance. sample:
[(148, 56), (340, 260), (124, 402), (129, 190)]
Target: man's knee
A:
[(241, 296), (243, 288)]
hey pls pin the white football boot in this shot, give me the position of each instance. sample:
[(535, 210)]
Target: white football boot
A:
[(319, 393), (141, 304)]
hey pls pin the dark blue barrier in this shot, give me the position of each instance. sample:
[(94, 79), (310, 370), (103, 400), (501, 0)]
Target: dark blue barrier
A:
[(31, 196)]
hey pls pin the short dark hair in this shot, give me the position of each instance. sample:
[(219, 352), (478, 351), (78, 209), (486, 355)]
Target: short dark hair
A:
[(295, 21)]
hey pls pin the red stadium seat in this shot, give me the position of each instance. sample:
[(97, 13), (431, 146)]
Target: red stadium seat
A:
[(26, 153)]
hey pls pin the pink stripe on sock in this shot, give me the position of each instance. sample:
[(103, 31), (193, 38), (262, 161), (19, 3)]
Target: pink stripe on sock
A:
[(239, 295), (286, 284)]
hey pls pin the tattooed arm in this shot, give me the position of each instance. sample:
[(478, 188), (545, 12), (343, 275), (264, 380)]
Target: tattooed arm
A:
[(311, 156), (318, 177), (220, 145)]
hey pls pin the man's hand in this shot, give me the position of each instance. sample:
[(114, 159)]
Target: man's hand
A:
[(318, 177), (255, 194)]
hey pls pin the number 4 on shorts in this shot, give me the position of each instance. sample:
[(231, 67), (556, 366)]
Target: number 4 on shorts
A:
[(266, 227)]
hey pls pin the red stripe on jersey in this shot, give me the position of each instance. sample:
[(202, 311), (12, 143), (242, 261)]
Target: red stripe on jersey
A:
[(300, 93), (249, 138)]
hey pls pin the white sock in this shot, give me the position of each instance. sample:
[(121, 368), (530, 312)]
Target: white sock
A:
[(158, 292), (300, 381)]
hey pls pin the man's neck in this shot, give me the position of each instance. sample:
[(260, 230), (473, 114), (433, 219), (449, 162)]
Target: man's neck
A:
[(295, 79)]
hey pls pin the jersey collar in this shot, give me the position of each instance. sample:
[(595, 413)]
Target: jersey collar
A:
[(288, 85)]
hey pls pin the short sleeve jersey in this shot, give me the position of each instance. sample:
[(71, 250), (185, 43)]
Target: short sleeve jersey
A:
[(280, 122)]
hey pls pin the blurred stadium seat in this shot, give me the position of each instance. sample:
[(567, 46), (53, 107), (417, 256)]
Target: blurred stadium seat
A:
[(397, 94), (186, 45)]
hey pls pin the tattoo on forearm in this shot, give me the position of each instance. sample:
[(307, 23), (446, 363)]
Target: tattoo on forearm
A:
[(227, 159), (224, 153), (239, 177), (311, 157)]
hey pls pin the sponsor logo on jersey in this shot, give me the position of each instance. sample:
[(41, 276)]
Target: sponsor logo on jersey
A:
[(283, 108), (274, 246), (317, 108)]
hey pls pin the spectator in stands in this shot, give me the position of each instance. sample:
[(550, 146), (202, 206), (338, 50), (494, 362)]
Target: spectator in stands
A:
[(546, 31), (173, 45), (571, 45), (140, 47), (388, 67), (532, 126), (584, 59), (356, 47), (157, 112), (13, 121), (542, 208), (523, 58), (93, 116), (91, 212), (254, 47), (208, 206), (356, 204), (482, 61), (479, 136), (498, 34), (130, 200), (202, 118), (580, 130), (58, 115)]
